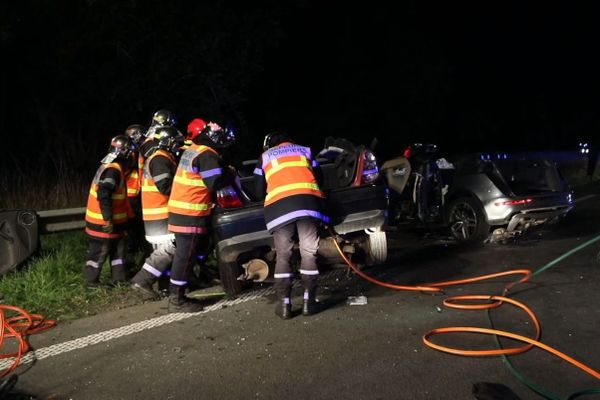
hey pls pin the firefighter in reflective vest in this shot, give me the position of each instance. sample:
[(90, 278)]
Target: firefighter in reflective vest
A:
[(159, 171), (293, 204), (200, 173), (108, 212)]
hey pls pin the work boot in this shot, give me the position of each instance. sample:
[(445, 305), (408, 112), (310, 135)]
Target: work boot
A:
[(180, 303), (91, 276), (283, 288), (118, 274), (145, 292), (142, 284), (284, 309), (309, 304)]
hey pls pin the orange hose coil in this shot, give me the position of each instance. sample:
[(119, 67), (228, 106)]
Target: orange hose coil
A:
[(19, 327), (492, 302)]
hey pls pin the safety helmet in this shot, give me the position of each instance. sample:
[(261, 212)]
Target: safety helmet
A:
[(121, 148), (137, 133), (195, 127), (164, 118), (169, 138), (274, 138), (220, 137)]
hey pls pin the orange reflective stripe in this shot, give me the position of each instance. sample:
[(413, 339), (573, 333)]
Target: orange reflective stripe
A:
[(189, 194), (289, 175), (154, 203), (120, 205)]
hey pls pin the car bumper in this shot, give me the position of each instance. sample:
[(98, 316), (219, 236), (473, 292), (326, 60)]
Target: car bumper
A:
[(351, 210), (535, 217)]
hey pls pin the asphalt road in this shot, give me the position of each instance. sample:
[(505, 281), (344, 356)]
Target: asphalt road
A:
[(372, 351)]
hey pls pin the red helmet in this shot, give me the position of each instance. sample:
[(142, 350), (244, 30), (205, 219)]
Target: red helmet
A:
[(194, 128)]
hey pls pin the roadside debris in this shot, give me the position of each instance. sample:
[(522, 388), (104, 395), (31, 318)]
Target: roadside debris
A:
[(357, 300)]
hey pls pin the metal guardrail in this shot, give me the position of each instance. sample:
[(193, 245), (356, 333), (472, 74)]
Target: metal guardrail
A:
[(51, 221)]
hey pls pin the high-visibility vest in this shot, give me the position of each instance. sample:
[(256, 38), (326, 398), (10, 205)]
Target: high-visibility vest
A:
[(155, 212), (288, 172), (133, 183), (154, 203), (120, 206), (292, 190), (190, 198)]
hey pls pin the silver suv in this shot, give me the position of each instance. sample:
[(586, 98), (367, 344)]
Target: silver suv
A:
[(505, 194)]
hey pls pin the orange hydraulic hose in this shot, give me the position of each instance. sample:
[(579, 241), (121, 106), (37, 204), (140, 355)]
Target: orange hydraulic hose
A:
[(18, 327), (492, 302)]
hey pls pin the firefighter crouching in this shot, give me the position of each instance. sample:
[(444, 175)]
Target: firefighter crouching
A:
[(199, 174), (293, 204), (157, 179), (108, 213)]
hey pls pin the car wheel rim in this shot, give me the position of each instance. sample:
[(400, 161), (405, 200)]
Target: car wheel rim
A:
[(463, 221)]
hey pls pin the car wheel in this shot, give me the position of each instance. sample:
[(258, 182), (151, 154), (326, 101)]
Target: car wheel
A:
[(467, 221), (228, 273), (376, 248)]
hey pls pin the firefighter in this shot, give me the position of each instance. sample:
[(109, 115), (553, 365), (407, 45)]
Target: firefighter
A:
[(157, 179), (137, 133), (293, 204), (108, 212), (199, 174)]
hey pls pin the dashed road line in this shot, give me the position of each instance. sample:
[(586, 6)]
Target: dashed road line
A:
[(116, 333)]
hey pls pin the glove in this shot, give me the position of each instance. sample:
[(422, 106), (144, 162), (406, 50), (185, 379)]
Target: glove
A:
[(108, 227)]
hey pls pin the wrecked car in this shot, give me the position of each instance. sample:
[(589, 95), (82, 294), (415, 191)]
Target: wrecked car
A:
[(479, 197), (356, 203)]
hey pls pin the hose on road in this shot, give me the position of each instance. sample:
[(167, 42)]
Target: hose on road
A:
[(488, 302), (17, 324)]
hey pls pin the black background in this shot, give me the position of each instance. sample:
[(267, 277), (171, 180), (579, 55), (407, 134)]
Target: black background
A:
[(470, 77)]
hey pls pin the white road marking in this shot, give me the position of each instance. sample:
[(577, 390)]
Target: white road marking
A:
[(105, 336)]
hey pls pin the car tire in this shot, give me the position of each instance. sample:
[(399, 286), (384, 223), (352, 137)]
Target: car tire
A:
[(466, 221), (228, 274), (376, 248)]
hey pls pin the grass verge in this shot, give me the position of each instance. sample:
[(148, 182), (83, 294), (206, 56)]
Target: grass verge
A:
[(51, 283)]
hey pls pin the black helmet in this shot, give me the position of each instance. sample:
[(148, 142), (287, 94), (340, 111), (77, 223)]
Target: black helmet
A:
[(164, 118), (121, 148), (274, 138), (220, 138), (169, 138), (137, 133)]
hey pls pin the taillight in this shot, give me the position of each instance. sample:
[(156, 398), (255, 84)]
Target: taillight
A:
[(370, 171), (228, 198), (514, 202)]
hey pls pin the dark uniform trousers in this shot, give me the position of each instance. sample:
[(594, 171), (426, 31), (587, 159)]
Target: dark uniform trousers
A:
[(101, 249), (189, 246), (308, 239)]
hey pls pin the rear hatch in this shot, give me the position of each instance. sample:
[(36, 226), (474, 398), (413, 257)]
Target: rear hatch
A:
[(529, 175)]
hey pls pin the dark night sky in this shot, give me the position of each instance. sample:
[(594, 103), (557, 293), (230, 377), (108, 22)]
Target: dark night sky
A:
[(471, 76), (504, 77)]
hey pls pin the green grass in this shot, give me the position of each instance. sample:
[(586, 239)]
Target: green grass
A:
[(51, 283)]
